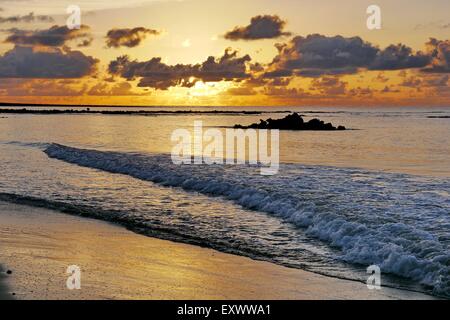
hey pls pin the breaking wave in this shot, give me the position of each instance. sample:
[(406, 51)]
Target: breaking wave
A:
[(399, 222)]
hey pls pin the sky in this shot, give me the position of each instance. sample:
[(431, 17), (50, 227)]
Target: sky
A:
[(226, 52)]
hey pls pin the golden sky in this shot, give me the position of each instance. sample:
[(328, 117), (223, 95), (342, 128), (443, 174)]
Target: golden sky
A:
[(225, 52)]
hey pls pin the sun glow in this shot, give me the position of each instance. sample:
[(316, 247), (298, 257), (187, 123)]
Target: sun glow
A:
[(201, 89)]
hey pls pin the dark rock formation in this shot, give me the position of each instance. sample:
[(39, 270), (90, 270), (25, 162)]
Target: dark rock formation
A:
[(292, 122)]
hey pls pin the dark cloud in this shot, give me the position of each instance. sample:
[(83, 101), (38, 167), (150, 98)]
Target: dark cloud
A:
[(53, 63), (329, 86), (55, 36), (283, 82), (440, 56), (128, 37), (156, 74), (313, 73), (412, 82), (278, 73), (382, 78), (260, 27), (396, 57), (26, 18), (317, 55), (441, 81), (85, 43), (426, 80), (361, 92), (322, 52), (389, 89)]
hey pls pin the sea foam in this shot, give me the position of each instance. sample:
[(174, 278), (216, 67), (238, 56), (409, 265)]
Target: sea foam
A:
[(398, 222)]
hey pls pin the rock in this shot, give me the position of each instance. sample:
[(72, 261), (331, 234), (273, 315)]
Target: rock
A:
[(9, 272), (291, 122)]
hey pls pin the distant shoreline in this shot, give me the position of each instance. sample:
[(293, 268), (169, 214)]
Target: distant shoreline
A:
[(62, 105), (130, 112)]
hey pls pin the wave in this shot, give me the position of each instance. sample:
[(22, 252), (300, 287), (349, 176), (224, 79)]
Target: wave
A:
[(158, 229), (118, 217), (395, 221)]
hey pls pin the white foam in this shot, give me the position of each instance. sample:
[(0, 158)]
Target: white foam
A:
[(383, 219)]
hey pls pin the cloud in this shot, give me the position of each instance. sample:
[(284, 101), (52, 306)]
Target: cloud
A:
[(360, 92), (440, 56), (53, 63), (26, 18), (329, 86), (85, 43), (381, 78), (278, 73), (260, 27), (42, 87), (66, 87), (397, 57), (241, 91), (130, 38), (440, 81), (117, 89), (412, 82), (433, 84), (56, 36), (156, 74), (318, 55), (389, 89)]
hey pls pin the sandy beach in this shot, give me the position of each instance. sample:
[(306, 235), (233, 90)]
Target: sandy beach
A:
[(38, 245)]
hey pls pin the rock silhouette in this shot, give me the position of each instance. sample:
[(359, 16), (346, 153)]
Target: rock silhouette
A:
[(292, 122)]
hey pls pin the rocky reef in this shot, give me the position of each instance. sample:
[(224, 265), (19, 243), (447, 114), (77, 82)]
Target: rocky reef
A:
[(292, 122)]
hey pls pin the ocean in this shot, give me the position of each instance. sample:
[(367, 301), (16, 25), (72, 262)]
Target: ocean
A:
[(377, 194)]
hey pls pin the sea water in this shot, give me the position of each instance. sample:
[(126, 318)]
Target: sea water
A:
[(378, 194)]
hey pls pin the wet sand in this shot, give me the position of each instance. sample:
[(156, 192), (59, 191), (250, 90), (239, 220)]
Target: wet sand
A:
[(38, 245)]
